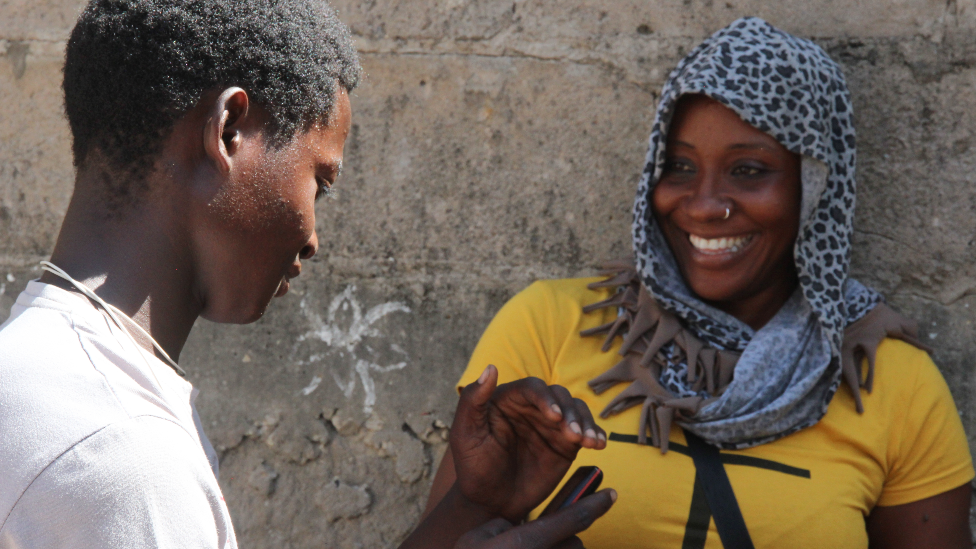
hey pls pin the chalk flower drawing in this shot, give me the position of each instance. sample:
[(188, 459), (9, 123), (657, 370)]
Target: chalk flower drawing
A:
[(348, 339)]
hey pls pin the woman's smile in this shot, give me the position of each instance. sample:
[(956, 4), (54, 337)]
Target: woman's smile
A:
[(726, 245)]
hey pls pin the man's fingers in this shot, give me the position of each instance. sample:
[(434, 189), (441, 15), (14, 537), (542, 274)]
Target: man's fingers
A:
[(571, 543), (547, 532), (593, 435), (475, 539), (490, 529), (533, 392), (572, 419)]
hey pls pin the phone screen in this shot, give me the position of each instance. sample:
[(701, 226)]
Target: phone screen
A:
[(584, 481)]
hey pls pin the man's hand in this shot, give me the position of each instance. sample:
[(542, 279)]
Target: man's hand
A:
[(556, 531), (512, 445)]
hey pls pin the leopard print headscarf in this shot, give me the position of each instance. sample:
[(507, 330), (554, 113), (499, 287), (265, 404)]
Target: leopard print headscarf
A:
[(788, 370)]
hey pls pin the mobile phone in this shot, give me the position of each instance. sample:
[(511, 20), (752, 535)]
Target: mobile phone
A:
[(585, 481)]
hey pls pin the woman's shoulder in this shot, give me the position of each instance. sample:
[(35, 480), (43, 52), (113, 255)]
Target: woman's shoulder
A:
[(899, 364), (559, 297), (563, 291), (907, 384), (553, 307), (927, 452)]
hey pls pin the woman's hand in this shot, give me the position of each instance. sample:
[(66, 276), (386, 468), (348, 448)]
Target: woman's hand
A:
[(512, 445), (556, 531)]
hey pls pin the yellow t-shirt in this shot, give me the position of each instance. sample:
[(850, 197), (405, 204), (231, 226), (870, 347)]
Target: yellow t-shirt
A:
[(811, 489)]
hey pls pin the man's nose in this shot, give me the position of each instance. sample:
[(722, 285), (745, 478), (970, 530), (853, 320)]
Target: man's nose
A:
[(310, 247)]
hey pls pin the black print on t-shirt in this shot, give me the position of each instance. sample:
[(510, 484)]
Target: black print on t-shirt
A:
[(700, 515)]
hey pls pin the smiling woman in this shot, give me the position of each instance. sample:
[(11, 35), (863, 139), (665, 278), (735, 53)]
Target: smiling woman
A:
[(728, 203), (755, 395)]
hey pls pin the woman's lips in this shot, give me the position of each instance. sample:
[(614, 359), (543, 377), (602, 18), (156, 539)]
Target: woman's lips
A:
[(718, 246)]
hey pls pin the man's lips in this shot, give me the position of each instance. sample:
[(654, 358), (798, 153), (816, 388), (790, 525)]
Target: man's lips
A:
[(283, 287), (293, 271)]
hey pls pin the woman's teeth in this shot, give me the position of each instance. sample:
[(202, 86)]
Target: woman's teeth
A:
[(719, 245)]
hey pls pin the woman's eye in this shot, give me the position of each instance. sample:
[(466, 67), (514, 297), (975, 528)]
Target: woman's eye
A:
[(747, 170), (678, 166)]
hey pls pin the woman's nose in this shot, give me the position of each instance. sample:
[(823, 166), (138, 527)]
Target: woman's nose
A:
[(706, 203), (310, 247)]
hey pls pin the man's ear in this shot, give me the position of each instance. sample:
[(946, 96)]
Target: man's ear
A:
[(222, 133)]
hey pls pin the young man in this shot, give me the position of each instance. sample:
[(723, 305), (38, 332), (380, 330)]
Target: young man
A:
[(203, 133)]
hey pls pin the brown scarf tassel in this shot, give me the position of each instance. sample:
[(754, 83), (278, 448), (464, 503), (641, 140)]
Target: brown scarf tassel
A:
[(645, 328)]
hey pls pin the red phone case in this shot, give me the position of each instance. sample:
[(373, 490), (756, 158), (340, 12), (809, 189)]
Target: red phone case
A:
[(584, 481)]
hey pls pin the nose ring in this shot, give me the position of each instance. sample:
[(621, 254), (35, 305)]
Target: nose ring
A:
[(728, 212)]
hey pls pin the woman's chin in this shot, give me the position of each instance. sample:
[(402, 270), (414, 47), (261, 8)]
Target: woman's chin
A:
[(715, 286), (713, 293)]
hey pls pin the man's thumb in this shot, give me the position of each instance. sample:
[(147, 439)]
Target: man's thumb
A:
[(472, 407), (481, 390)]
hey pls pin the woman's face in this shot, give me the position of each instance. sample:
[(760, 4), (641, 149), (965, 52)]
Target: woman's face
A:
[(742, 264)]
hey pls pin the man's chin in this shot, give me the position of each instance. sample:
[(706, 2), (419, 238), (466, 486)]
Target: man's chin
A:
[(236, 312)]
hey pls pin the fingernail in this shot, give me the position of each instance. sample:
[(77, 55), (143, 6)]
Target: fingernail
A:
[(557, 409), (574, 427), (613, 495), (590, 433), (484, 375), (602, 437)]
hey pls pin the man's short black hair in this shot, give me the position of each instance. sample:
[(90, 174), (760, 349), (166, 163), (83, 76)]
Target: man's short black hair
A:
[(134, 67)]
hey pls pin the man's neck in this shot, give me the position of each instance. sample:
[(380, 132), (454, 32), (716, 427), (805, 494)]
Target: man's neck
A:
[(136, 258)]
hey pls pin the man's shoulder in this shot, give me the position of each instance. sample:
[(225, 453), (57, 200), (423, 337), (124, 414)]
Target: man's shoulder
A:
[(45, 365), (50, 396), (62, 379), (143, 480)]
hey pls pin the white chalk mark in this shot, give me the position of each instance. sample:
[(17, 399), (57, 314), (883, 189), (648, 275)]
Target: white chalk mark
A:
[(361, 326), (347, 387), (398, 349), (369, 386), (347, 339), (312, 386)]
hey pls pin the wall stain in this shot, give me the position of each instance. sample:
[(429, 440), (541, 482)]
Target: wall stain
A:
[(17, 51)]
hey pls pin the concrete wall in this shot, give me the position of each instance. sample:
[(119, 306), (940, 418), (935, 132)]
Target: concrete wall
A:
[(495, 143)]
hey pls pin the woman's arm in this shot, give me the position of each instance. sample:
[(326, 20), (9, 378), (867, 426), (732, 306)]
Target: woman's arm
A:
[(938, 522)]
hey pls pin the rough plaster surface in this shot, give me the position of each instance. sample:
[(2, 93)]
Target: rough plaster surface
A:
[(495, 143)]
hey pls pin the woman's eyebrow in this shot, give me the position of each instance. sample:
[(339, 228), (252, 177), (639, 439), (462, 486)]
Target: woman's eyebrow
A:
[(748, 146)]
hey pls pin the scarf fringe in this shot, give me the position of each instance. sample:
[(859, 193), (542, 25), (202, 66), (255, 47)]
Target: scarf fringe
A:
[(645, 328)]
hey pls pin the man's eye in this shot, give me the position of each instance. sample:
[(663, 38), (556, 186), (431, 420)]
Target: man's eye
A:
[(324, 188)]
